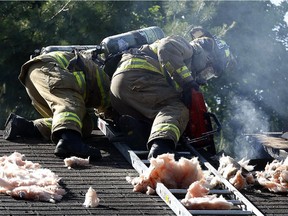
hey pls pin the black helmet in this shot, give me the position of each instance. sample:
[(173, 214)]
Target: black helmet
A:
[(198, 32), (225, 61)]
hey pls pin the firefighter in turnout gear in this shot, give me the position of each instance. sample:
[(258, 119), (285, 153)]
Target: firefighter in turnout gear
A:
[(153, 84), (63, 87)]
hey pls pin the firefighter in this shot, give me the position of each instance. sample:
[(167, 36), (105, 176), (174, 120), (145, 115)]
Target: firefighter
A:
[(153, 84), (63, 87)]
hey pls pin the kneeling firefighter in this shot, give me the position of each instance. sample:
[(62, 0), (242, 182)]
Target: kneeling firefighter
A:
[(63, 87), (152, 84)]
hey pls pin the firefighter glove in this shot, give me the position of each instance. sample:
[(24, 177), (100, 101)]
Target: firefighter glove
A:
[(201, 81), (187, 92), (191, 85)]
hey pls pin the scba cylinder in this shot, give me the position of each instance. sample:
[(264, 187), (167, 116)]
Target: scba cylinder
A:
[(132, 39)]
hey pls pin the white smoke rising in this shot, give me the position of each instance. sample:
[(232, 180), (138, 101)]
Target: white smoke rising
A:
[(249, 120), (276, 2)]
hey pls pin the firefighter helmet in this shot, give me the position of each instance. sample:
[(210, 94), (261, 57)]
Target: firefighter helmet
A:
[(198, 32), (225, 61), (204, 58)]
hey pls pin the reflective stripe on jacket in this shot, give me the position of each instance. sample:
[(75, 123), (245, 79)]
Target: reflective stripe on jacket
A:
[(167, 127), (63, 62), (169, 59), (137, 63), (94, 83), (67, 116), (175, 54), (103, 83), (60, 58)]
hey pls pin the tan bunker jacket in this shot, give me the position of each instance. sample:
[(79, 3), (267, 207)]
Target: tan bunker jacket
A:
[(63, 96), (149, 81)]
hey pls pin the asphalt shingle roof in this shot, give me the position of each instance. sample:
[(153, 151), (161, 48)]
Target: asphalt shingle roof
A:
[(107, 177)]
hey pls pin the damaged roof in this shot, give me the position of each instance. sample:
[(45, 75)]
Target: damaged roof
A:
[(107, 177)]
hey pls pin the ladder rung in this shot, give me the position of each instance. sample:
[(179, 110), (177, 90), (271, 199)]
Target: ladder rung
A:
[(184, 191), (167, 195), (146, 161), (220, 212), (234, 202), (219, 191), (141, 152)]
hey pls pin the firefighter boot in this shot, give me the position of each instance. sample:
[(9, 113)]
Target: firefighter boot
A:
[(71, 144), (17, 126), (136, 132), (160, 146)]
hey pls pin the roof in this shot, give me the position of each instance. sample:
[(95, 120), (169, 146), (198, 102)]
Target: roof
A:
[(107, 177)]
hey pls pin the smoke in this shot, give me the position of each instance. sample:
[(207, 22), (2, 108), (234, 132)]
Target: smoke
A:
[(247, 120), (262, 77), (276, 2)]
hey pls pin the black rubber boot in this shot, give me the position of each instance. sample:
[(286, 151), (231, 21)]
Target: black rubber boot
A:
[(160, 146), (71, 144), (136, 131), (17, 126)]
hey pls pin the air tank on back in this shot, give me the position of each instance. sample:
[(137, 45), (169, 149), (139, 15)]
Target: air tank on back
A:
[(131, 39)]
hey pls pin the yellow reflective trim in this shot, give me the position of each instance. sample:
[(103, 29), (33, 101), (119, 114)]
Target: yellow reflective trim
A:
[(227, 52), (170, 69), (60, 58), (154, 47), (183, 72), (80, 78), (177, 86), (66, 116), (101, 79), (48, 122), (167, 127), (137, 63), (185, 75)]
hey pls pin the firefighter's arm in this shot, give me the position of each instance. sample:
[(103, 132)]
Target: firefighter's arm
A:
[(175, 55)]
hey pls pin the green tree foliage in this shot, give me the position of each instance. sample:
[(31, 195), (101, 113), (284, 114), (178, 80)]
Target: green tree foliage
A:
[(29, 25), (252, 98), (182, 16), (255, 92)]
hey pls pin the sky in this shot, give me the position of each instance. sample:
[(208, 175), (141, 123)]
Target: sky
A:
[(277, 3), (249, 119)]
